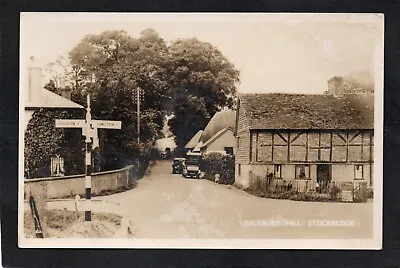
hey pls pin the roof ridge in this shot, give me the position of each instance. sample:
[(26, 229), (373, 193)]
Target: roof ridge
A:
[(216, 136), (193, 140)]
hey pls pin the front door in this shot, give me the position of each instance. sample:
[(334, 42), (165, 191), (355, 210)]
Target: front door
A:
[(324, 175)]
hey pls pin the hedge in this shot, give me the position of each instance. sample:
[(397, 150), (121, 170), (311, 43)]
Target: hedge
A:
[(217, 163)]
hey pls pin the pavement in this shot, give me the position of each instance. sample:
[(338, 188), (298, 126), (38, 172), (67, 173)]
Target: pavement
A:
[(166, 205)]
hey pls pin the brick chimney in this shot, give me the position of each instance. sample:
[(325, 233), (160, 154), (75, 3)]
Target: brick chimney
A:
[(35, 83), (336, 86)]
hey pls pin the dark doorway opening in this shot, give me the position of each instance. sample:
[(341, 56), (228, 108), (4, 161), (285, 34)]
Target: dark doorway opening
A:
[(324, 175)]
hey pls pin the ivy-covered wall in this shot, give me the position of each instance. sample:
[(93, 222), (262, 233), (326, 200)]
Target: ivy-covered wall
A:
[(43, 140)]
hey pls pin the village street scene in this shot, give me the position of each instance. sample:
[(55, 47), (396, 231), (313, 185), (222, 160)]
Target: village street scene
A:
[(174, 128)]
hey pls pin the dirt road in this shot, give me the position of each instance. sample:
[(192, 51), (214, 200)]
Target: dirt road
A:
[(164, 205)]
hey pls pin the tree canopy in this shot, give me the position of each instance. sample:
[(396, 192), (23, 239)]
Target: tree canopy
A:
[(202, 82), (187, 79)]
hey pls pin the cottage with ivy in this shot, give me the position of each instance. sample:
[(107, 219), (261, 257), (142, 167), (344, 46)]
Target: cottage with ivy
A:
[(45, 147), (318, 138)]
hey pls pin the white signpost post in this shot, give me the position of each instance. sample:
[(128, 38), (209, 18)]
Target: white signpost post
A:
[(89, 130)]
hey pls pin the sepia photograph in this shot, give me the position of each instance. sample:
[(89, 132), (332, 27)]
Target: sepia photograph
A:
[(201, 130)]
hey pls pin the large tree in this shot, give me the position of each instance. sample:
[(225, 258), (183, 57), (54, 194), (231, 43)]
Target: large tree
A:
[(111, 66), (202, 82), (187, 79)]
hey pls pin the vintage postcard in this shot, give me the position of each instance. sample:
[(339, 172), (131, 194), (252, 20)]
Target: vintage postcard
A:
[(201, 130)]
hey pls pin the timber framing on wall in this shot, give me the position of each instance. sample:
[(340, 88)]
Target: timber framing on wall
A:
[(323, 146)]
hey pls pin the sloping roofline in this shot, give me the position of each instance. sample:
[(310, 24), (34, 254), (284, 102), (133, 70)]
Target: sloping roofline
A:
[(216, 136), (194, 140), (52, 100)]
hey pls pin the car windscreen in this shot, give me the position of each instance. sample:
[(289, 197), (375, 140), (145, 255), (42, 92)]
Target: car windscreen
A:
[(192, 162)]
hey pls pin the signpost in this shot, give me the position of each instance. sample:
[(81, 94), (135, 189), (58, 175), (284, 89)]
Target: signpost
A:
[(89, 130)]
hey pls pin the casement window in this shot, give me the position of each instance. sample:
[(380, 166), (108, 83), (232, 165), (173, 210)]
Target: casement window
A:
[(57, 166), (302, 171), (278, 171), (229, 150), (358, 172)]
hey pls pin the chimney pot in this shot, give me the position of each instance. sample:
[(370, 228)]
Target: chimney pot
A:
[(35, 83)]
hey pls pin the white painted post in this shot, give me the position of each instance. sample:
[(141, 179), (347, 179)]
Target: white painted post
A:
[(77, 197), (88, 169)]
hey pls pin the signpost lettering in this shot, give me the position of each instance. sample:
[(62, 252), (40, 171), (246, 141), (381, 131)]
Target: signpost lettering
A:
[(106, 124), (70, 123)]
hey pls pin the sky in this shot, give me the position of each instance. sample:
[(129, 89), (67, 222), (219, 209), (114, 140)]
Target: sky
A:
[(287, 53)]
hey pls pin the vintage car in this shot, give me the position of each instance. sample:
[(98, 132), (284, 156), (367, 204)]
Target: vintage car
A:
[(192, 166), (178, 165)]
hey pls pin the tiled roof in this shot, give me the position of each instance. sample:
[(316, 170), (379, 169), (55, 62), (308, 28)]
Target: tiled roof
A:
[(194, 140), (216, 136), (49, 99), (301, 111), (218, 122)]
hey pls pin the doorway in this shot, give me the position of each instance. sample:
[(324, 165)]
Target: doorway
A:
[(324, 176)]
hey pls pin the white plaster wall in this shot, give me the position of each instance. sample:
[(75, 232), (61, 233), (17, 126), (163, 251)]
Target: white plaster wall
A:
[(243, 178), (226, 140)]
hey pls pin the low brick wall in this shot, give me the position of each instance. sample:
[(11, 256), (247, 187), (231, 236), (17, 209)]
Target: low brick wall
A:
[(59, 187)]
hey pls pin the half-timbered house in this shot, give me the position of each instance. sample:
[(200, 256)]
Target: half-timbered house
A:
[(320, 138)]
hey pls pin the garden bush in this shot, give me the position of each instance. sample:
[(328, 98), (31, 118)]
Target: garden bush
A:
[(295, 195), (334, 192), (217, 163), (370, 193)]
